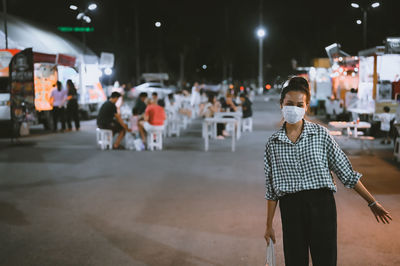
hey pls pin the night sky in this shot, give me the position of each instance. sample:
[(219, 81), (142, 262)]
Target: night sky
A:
[(220, 34)]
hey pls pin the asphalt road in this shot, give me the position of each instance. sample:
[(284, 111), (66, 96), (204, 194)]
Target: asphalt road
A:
[(64, 202)]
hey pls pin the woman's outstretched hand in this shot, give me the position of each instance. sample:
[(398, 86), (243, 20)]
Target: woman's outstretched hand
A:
[(380, 213), (269, 234)]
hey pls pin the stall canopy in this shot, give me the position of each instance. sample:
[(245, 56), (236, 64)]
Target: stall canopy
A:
[(24, 34)]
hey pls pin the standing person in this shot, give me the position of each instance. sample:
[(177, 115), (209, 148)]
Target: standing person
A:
[(298, 161), (195, 95), (195, 98), (121, 91), (57, 99), (72, 106), (385, 119), (109, 118)]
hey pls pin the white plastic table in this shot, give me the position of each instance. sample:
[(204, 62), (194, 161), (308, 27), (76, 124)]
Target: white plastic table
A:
[(213, 122), (349, 125)]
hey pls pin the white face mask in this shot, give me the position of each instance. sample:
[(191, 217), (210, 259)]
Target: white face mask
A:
[(293, 114)]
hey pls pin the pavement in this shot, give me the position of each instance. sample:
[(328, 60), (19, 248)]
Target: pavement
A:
[(64, 202)]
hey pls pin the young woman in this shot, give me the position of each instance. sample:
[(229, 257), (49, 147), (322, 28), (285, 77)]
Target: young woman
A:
[(72, 106), (298, 162)]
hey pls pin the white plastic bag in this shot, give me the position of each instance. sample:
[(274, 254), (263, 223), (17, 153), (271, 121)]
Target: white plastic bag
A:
[(270, 256), (139, 145), (24, 129), (130, 141)]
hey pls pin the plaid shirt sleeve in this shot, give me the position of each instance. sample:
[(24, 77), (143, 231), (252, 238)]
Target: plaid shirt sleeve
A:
[(340, 164), (270, 193)]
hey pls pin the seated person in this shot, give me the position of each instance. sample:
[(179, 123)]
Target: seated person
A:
[(154, 117), (108, 118), (246, 106), (214, 106), (141, 103), (170, 105), (134, 120), (173, 104), (229, 105)]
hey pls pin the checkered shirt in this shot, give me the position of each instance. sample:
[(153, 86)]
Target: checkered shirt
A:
[(307, 164)]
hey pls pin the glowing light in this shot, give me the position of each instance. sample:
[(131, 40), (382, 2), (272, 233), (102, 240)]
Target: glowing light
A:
[(355, 5), (80, 16), (231, 86), (340, 59), (108, 71), (345, 73), (157, 24), (241, 88), (261, 33), (268, 87), (356, 69), (341, 70), (204, 67), (353, 74), (358, 21), (376, 4), (92, 7), (73, 7), (87, 19)]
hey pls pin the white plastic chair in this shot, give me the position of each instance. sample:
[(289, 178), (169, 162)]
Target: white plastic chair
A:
[(247, 124), (104, 138), (173, 127), (155, 138)]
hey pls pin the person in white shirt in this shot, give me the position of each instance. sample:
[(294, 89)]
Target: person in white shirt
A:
[(121, 91), (195, 97), (58, 99), (385, 119)]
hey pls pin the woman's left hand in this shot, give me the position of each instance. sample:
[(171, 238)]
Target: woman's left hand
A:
[(381, 213)]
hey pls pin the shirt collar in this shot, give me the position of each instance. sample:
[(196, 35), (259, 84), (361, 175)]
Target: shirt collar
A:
[(308, 129)]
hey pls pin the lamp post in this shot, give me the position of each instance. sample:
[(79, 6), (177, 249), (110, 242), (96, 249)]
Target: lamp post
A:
[(364, 10), (158, 25), (261, 35)]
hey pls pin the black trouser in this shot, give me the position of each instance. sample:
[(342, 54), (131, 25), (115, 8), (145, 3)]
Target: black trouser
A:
[(58, 114), (309, 223), (220, 129), (73, 114)]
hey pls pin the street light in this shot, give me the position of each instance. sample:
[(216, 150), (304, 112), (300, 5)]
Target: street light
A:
[(92, 7), (87, 19), (375, 5), (157, 24), (83, 17), (108, 71), (261, 33), (364, 9), (359, 21)]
